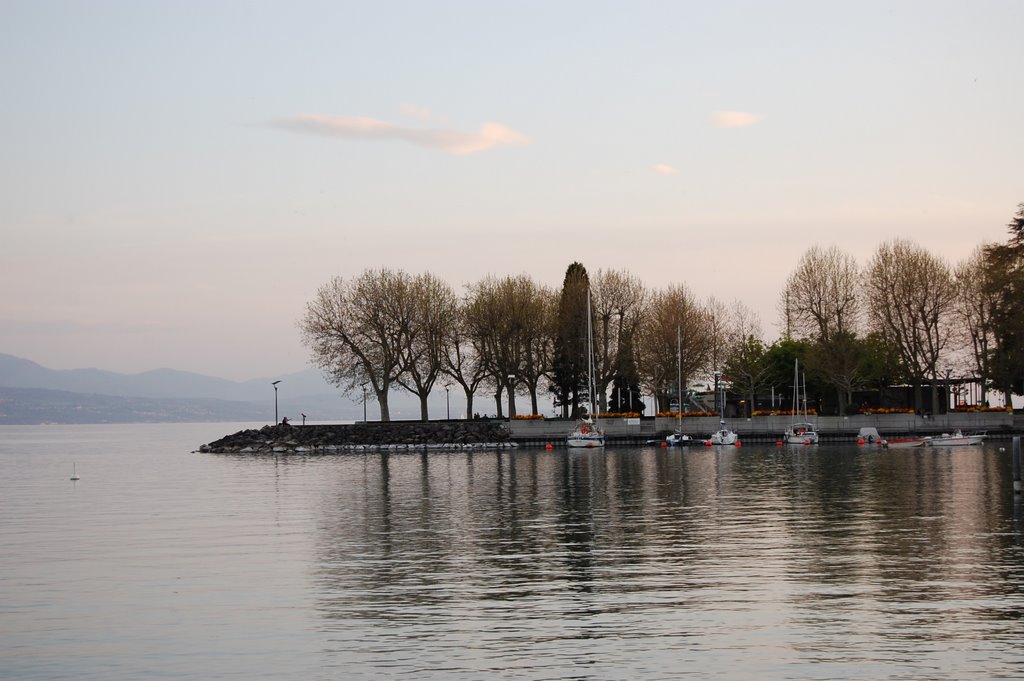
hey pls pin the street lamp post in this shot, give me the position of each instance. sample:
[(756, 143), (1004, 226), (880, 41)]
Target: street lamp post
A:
[(364, 403), (447, 403), (275, 400)]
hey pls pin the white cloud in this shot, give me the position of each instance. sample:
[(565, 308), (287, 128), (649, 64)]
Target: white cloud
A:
[(665, 169), (455, 142), (734, 119)]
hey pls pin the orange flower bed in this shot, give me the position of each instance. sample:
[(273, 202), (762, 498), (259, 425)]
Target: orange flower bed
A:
[(973, 409), (528, 417), (887, 410), (785, 412), (687, 414), (621, 414)]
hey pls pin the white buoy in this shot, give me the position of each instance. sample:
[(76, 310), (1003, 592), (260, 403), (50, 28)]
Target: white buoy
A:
[(74, 472)]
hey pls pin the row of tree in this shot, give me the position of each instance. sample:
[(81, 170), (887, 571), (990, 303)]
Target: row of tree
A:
[(907, 316)]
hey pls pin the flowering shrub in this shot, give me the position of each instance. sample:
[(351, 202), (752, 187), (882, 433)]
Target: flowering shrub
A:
[(621, 414), (785, 412), (887, 410), (528, 417)]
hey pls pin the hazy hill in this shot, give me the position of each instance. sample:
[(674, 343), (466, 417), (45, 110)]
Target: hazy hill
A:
[(16, 372), (31, 393)]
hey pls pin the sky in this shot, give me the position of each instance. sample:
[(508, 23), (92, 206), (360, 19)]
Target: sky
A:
[(178, 178)]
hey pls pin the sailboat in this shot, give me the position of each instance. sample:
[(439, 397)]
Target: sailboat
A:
[(587, 432), (678, 438), (723, 436), (803, 432), (74, 472)]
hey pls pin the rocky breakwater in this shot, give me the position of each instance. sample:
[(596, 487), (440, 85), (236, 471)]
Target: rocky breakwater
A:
[(360, 437)]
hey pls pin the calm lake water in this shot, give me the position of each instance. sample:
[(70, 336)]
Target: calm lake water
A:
[(828, 562)]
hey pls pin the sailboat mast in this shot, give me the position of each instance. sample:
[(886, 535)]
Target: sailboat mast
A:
[(796, 387), (594, 407), (679, 377)]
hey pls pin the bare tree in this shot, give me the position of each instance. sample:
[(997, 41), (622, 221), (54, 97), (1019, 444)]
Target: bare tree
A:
[(820, 298), (465, 359), (359, 331), (911, 295), (509, 319), (434, 309), (538, 311), (821, 302), (718, 337), (976, 298), (618, 300), (672, 314), (746, 363)]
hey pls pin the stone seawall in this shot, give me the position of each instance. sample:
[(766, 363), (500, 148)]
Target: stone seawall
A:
[(373, 436)]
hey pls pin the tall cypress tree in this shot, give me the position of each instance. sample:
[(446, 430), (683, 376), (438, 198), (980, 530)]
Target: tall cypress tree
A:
[(569, 366)]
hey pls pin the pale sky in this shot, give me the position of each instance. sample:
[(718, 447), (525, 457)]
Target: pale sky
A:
[(178, 178)]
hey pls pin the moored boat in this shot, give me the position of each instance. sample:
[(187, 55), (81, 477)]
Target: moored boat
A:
[(802, 433), (956, 439), (680, 439), (587, 432), (723, 436)]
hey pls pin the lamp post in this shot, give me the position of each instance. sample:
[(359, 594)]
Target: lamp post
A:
[(364, 403), (447, 403), (275, 400)]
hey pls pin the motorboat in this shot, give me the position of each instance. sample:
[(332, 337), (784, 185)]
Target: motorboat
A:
[(956, 439)]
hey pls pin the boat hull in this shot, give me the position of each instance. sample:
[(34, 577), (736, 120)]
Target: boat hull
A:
[(962, 441), (904, 443), (724, 437), (584, 441)]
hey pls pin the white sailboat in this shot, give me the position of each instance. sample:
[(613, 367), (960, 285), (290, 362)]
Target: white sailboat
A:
[(587, 432), (679, 438), (802, 432), (723, 436)]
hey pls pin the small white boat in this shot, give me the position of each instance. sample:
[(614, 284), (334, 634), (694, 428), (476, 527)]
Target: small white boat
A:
[(956, 439), (724, 436), (680, 440), (903, 442)]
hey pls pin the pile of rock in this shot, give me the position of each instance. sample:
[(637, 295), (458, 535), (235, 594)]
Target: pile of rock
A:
[(361, 437)]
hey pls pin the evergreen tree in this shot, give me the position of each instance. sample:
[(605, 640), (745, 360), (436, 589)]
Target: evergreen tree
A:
[(1006, 263), (569, 366)]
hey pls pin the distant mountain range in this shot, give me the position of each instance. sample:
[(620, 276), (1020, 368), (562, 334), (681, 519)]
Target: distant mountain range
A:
[(31, 393)]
